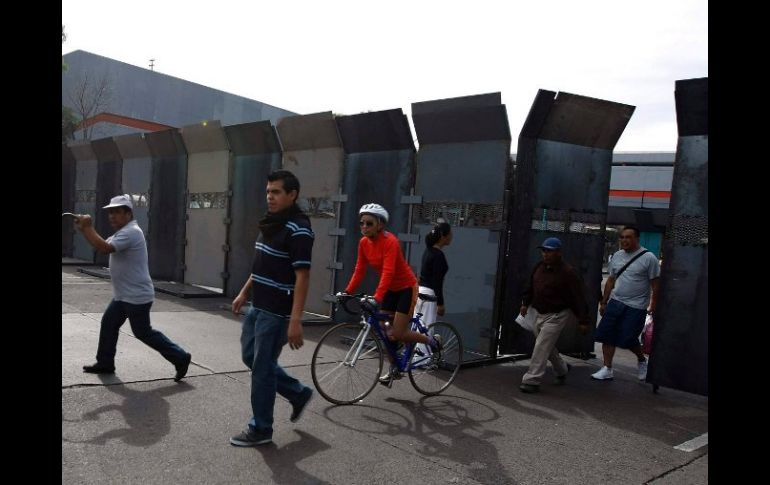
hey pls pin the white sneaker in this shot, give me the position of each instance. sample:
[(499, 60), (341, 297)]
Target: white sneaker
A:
[(604, 374), (642, 370)]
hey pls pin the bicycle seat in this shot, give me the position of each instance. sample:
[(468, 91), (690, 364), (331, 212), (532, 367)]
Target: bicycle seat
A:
[(423, 296)]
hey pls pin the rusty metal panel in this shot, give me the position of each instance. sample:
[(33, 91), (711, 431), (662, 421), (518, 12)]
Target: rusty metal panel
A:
[(136, 176), (166, 238), (208, 185), (67, 199), (679, 356), (255, 152), (561, 189), (313, 152)]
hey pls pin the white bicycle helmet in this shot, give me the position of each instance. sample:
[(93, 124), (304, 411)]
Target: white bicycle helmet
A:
[(374, 209)]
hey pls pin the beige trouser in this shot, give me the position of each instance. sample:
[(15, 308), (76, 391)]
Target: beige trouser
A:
[(548, 326)]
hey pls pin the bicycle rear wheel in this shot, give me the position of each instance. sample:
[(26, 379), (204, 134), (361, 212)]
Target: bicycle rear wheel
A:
[(431, 372), (336, 377)]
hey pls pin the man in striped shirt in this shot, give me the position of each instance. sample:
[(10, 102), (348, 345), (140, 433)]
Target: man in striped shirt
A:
[(279, 282)]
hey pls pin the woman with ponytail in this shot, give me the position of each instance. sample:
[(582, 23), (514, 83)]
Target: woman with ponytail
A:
[(434, 268)]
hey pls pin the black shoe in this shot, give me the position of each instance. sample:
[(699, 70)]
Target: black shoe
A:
[(251, 438), (297, 409), (181, 369), (529, 388), (561, 379), (99, 369)]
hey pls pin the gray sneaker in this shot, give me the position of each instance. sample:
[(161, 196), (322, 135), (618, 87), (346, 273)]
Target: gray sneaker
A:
[(251, 438)]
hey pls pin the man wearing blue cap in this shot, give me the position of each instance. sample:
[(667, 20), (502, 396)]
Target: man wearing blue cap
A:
[(556, 292)]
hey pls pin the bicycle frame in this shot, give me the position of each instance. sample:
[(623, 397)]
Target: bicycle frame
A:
[(375, 322)]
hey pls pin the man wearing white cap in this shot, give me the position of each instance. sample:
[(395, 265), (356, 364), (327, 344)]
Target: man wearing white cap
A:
[(132, 288)]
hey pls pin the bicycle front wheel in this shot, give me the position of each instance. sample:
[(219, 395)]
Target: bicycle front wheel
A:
[(432, 372), (346, 363)]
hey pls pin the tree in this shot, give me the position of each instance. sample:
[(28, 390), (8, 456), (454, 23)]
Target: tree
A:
[(89, 96), (69, 123)]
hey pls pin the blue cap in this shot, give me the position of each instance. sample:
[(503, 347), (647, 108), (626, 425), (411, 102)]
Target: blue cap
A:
[(552, 243)]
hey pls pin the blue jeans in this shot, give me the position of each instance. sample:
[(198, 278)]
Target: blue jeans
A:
[(264, 335), (139, 318)]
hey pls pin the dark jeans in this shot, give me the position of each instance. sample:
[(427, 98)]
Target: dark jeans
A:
[(621, 325), (139, 318), (264, 335)]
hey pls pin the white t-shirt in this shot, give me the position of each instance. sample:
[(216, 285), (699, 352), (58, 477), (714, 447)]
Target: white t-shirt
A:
[(633, 286), (129, 268)]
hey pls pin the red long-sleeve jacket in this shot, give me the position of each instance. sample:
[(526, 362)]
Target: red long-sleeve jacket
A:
[(383, 253)]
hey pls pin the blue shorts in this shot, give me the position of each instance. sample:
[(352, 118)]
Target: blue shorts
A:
[(621, 325)]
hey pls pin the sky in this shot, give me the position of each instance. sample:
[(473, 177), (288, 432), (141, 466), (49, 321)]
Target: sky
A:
[(355, 56)]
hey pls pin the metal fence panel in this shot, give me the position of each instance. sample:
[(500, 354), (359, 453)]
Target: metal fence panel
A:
[(208, 183), (679, 356), (462, 172), (85, 195), (67, 199), (473, 173), (561, 189), (312, 150), (379, 167), (167, 205), (108, 185), (256, 153), (469, 286), (136, 176)]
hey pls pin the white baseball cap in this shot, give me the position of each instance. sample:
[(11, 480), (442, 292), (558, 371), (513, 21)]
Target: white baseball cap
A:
[(123, 200)]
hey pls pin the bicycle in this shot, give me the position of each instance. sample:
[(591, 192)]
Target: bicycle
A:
[(347, 361)]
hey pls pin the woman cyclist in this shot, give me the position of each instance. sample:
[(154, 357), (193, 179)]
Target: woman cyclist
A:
[(397, 290)]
